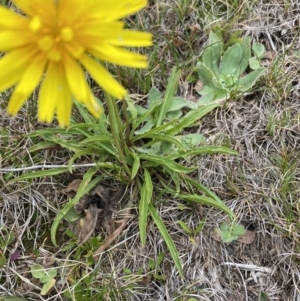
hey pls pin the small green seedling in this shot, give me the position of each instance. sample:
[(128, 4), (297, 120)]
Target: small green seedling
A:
[(154, 267), (6, 237), (189, 231), (46, 277), (229, 233), (225, 75)]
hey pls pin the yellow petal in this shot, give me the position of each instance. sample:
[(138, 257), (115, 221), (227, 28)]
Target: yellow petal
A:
[(11, 20), (114, 10), (64, 105), (132, 38), (70, 10), (10, 39), (119, 56), (48, 93), (12, 66), (75, 79), (30, 79), (99, 29), (103, 77), (36, 7)]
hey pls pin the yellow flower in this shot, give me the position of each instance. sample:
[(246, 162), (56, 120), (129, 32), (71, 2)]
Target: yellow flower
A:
[(55, 41)]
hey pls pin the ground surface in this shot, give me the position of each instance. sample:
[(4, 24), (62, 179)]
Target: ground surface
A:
[(261, 185)]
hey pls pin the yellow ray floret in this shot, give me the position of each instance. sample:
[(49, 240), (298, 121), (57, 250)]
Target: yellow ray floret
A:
[(56, 42)]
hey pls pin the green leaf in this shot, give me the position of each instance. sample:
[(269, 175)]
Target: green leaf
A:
[(190, 119), (205, 75), (207, 99), (85, 186), (146, 194), (40, 174), (191, 140), (164, 138), (174, 115), (178, 103), (145, 128), (167, 238), (72, 216), (246, 52), (37, 271), (131, 107), (199, 227), (231, 63), (239, 230), (263, 297), (136, 165), (171, 89), (230, 232), (247, 81), (212, 54), (41, 146), (154, 160), (185, 227), (83, 112), (254, 63), (259, 50), (204, 200), (203, 150), (47, 286), (160, 259), (200, 188), (154, 96)]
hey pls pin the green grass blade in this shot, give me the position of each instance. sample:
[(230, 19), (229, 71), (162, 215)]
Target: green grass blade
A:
[(136, 165), (204, 200), (85, 186), (162, 138), (203, 150), (201, 188), (155, 160), (40, 174), (146, 196), (171, 89), (190, 118), (167, 238)]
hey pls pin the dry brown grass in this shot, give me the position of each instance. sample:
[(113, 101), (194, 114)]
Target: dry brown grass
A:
[(261, 185)]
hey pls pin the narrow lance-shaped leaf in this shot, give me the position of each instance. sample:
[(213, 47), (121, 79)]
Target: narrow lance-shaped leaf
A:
[(190, 118), (136, 165), (146, 195), (167, 238), (171, 89), (206, 201)]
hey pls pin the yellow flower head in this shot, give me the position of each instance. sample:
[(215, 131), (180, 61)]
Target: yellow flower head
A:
[(55, 40)]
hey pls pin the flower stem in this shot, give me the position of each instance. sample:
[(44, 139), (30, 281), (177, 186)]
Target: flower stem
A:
[(116, 130)]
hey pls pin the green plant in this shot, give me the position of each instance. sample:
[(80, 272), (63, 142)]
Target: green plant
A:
[(223, 75), (5, 239), (230, 232), (146, 147), (46, 277), (154, 267)]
